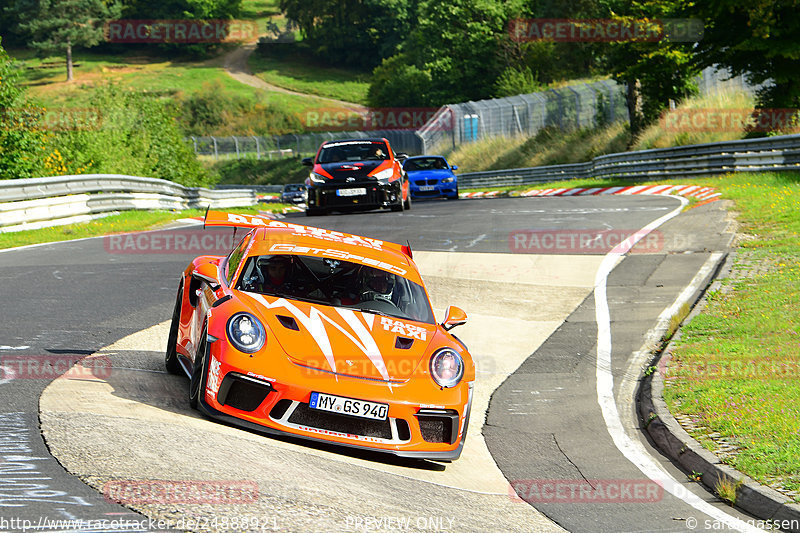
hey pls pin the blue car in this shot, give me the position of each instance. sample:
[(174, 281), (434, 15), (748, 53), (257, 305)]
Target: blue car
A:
[(430, 176)]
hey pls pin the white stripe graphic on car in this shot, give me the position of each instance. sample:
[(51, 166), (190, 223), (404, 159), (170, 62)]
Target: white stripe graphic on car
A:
[(314, 323)]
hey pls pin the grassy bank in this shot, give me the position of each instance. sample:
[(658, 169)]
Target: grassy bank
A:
[(734, 377), (556, 147)]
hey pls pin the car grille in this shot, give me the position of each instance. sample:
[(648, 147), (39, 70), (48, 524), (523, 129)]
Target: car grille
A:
[(304, 415), (426, 182), (331, 199)]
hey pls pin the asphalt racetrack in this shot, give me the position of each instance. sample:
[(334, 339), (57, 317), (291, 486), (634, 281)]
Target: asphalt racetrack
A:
[(556, 324)]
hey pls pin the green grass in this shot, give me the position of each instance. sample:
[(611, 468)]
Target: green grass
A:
[(736, 367), (121, 223), (548, 147), (296, 72), (45, 81)]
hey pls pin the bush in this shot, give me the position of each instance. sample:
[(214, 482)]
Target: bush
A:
[(137, 134), (396, 83), (251, 171), (21, 138), (213, 110)]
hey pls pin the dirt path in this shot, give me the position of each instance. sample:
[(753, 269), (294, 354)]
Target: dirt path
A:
[(235, 64)]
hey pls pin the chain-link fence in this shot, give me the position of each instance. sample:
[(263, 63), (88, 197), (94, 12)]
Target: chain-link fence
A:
[(279, 146), (574, 106)]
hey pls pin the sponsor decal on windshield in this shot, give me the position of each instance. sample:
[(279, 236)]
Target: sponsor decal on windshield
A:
[(336, 254)]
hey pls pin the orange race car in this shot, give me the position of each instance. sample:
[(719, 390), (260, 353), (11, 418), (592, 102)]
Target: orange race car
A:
[(323, 335)]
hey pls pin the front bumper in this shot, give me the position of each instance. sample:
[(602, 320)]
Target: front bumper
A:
[(378, 195), (422, 424)]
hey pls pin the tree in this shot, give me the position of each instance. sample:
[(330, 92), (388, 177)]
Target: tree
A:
[(656, 71), (756, 39), (357, 33), (21, 140), (58, 25)]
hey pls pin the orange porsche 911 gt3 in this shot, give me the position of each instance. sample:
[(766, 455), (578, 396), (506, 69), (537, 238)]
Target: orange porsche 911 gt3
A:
[(322, 335)]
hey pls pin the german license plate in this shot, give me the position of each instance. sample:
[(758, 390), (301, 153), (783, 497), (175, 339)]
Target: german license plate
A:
[(358, 191), (348, 406), (426, 188)]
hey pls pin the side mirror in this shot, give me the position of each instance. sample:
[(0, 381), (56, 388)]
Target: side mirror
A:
[(308, 161), (208, 272), (454, 316), (401, 156), (454, 167)]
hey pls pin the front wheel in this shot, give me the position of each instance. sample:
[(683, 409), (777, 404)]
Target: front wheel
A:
[(197, 384)]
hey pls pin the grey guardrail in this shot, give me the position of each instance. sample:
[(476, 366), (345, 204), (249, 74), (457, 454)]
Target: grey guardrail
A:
[(770, 153), (42, 202)]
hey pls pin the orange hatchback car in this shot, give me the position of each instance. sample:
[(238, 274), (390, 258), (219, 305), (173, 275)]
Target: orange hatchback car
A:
[(322, 335)]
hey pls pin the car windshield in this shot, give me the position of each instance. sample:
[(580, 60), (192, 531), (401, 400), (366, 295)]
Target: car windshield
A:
[(337, 283), (425, 163), (293, 188), (353, 151)]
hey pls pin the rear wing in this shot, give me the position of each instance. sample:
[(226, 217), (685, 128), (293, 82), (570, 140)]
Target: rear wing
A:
[(234, 220)]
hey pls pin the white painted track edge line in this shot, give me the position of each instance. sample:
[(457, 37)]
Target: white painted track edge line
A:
[(633, 450)]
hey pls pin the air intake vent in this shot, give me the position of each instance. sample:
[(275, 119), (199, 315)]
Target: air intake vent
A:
[(242, 392), (288, 322), (403, 343)]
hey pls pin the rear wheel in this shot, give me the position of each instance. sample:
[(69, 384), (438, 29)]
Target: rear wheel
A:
[(171, 357), (312, 212), (197, 383)]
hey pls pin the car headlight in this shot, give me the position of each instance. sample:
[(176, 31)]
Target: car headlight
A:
[(246, 333), (384, 175), (447, 368), (449, 180), (316, 178)]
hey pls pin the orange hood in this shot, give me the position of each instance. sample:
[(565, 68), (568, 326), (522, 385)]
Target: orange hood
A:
[(342, 340)]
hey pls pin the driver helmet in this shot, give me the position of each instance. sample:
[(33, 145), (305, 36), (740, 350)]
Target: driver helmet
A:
[(275, 269), (379, 283)]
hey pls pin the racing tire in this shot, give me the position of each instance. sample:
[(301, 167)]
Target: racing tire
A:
[(171, 361), (197, 383), (454, 197), (407, 203), (313, 212)]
